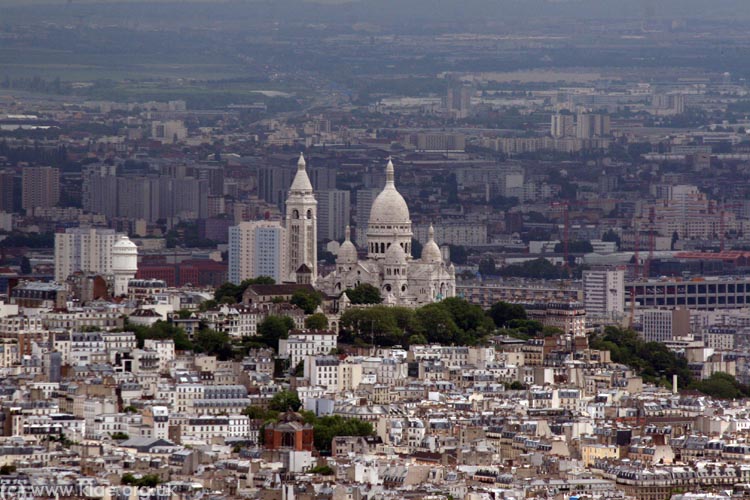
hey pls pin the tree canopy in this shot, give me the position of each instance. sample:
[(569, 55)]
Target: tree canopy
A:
[(364, 294), (503, 312), (213, 343), (161, 330), (452, 321), (317, 321), (285, 401), (273, 328), (231, 293), (306, 300)]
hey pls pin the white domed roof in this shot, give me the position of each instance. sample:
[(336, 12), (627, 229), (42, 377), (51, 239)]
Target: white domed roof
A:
[(347, 253), (389, 206), (301, 181), (124, 243), (431, 252), (395, 255)]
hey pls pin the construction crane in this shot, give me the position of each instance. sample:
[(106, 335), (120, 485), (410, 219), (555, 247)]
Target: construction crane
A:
[(636, 250), (651, 242), (565, 205)]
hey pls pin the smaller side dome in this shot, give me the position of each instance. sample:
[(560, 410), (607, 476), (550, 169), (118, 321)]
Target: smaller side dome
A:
[(347, 253), (431, 252), (395, 255)]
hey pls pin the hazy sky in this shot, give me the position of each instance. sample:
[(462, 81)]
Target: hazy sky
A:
[(525, 8), (404, 16)]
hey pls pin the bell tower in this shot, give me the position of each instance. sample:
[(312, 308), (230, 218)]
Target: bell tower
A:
[(302, 224)]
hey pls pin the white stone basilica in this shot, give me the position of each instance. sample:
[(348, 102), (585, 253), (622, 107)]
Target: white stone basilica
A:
[(401, 279)]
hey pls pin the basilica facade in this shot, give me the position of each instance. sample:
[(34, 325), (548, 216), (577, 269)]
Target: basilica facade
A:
[(389, 266)]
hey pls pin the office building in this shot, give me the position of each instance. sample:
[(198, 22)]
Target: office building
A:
[(147, 197), (40, 187), (333, 214), (440, 142), (458, 101), (453, 234), (273, 183), (7, 191), (170, 131), (590, 125), (709, 293), (604, 293), (365, 199), (563, 125), (663, 325)]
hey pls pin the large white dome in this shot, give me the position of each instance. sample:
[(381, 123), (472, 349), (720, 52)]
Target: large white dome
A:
[(389, 207)]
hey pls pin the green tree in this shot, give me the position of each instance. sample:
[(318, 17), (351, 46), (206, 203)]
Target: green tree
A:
[(371, 323), (653, 361), (437, 323), (317, 321), (161, 330), (576, 246), (306, 300), (323, 470), (213, 343), (487, 267), (328, 427), (470, 318), (184, 314), (285, 401), (207, 305), (503, 312), (417, 339), (233, 293), (539, 268), (274, 328), (228, 291), (259, 413), (720, 385), (551, 331), (119, 436), (364, 294), (128, 479)]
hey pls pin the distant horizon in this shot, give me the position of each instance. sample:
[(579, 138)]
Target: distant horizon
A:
[(584, 9)]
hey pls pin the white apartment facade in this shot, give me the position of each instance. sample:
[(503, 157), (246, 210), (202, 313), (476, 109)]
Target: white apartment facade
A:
[(301, 344), (604, 293), (257, 248), (83, 249)]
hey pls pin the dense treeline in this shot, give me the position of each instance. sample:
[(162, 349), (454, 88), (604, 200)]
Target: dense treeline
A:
[(452, 321), (656, 363)]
